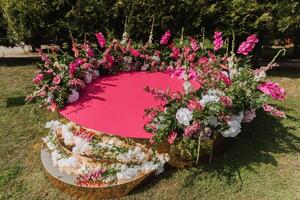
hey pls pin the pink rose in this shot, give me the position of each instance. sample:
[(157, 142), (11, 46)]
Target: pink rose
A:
[(171, 137), (134, 52), (192, 129), (193, 105), (56, 80), (38, 78), (226, 101)]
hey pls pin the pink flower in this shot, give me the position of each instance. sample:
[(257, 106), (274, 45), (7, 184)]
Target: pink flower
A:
[(79, 61), (247, 46), (179, 72), (203, 60), (171, 137), (175, 53), (249, 116), (134, 52), (192, 129), (38, 78), (225, 78), (272, 89), (191, 57), (273, 110), (226, 101), (72, 68), (193, 75), (101, 39), (218, 41), (53, 106), (56, 80), (194, 44), (194, 105), (165, 38)]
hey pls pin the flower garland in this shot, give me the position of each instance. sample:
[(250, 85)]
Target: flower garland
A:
[(94, 174)]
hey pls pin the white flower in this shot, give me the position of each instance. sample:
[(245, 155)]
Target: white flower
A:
[(213, 121), (96, 73), (128, 174), (212, 96), (81, 146), (74, 96), (187, 86), (234, 125), (184, 116), (53, 124), (88, 78), (67, 134), (234, 129)]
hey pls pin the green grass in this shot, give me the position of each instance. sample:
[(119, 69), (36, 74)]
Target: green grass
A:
[(264, 163)]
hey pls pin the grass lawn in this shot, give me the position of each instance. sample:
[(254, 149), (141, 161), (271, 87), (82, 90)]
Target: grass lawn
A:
[(263, 164)]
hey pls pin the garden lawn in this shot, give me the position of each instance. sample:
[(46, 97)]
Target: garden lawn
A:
[(264, 163)]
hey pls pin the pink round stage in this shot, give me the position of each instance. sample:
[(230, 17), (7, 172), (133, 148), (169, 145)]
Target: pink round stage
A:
[(115, 104)]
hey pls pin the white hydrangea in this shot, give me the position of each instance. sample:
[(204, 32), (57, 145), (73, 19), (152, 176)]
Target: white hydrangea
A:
[(74, 96), (234, 126), (53, 125), (184, 116), (213, 121), (212, 96)]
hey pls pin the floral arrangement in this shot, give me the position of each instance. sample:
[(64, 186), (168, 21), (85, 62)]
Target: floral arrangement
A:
[(76, 151), (221, 91)]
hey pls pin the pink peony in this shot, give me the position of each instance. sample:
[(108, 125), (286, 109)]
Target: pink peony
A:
[(101, 39), (247, 46), (38, 78), (272, 89), (218, 41), (165, 38), (134, 52), (56, 80), (171, 137)]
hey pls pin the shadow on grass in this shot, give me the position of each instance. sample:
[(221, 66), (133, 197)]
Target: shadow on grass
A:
[(285, 72), (255, 146)]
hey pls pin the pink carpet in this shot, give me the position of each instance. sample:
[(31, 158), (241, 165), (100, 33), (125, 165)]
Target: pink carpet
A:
[(115, 104)]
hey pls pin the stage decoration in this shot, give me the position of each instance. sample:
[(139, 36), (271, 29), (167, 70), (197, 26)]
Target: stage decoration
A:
[(220, 92)]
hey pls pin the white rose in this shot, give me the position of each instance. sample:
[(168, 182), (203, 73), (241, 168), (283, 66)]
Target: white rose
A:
[(74, 96), (184, 116)]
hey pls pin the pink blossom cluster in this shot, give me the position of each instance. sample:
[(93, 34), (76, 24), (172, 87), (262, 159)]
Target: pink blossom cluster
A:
[(218, 41), (165, 38), (272, 89), (192, 129), (273, 110), (247, 46), (101, 39), (90, 178), (45, 58), (175, 52)]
